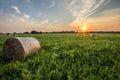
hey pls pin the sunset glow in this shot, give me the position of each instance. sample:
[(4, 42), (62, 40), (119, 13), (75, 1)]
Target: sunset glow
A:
[(59, 15), (84, 28)]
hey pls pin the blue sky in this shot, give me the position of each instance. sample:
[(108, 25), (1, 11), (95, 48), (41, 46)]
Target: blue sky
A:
[(59, 15)]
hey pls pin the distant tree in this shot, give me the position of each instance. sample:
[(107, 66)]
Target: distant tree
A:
[(34, 32), (40, 32), (14, 34), (8, 33), (26, 32)]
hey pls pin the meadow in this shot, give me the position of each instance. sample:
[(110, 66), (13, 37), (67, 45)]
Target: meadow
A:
[(67, 57)]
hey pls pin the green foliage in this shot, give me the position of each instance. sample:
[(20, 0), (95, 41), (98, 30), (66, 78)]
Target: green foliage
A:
[(67, 57)]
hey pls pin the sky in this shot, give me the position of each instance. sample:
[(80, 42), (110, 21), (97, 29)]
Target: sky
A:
[(59, 15)]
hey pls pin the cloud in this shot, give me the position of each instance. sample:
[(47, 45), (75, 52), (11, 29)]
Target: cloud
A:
[(105, 21), (109, 13), (23, 15), (52, 4), (44, 22), (26, 16), (19, 23), (14, 24), (16, 9), (40, 14), (106, 16), (82, 9)]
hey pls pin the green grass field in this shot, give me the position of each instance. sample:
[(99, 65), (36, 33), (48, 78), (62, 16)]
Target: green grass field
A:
[(67, 57)]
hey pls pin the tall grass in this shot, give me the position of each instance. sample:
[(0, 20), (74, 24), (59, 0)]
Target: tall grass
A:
[(67, 57)]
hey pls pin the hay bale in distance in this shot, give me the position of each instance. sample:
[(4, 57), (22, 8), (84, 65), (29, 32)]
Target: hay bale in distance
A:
[(93, 35), (18, 48)]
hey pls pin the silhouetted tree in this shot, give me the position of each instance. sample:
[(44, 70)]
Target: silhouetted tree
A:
[(40, 32), (26, 32), (34, 32)]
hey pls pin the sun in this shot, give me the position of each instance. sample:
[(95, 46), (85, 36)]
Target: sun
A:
[(84, 28)]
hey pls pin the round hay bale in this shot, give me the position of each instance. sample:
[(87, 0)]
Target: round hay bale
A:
[(18, 48)]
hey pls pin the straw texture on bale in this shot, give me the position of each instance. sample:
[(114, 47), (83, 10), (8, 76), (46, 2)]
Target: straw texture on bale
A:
[(18, 48)]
